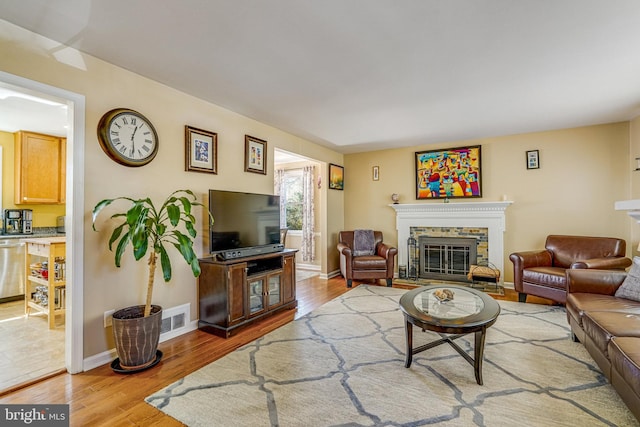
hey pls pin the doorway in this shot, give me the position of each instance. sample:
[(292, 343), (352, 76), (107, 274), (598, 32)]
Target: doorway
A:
[(40, 95), (292, 173)]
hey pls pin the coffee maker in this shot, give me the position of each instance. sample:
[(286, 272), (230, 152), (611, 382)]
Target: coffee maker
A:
[(18, 221), (27, 221)]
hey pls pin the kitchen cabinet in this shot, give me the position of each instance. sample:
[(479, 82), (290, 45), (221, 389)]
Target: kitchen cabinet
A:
[(233, 293), (40, 168), (45, 289)]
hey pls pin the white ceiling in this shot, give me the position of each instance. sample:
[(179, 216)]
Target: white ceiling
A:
[(359, 75)]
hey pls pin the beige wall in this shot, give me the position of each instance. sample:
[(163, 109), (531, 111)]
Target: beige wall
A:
[(43, 215), (583, 172), (105, 87)]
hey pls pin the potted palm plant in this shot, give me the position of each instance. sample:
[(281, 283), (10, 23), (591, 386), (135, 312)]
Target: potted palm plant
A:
[(149, 230)]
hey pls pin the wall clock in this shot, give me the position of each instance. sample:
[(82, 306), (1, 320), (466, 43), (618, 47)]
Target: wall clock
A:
[(127, 137)]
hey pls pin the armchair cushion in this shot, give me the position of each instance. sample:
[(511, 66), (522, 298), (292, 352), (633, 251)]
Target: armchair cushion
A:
[(630, 288)]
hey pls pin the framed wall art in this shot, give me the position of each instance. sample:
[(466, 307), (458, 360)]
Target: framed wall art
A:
[(533, 159), (449, 173), (201, 150), (336, 177), (255, 155)]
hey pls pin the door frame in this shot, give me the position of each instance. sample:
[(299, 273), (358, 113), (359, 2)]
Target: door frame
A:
[(74, 317)]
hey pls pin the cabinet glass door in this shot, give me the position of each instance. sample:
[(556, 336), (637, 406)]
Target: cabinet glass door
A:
[(274, 290), (256, 300)]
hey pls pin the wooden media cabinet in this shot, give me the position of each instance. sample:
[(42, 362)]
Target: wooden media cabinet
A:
[(236, 292)]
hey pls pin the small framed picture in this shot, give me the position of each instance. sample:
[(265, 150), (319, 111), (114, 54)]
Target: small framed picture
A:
[(533, 159), (336, 177), (255, 155), (201, 150), (376, 173)]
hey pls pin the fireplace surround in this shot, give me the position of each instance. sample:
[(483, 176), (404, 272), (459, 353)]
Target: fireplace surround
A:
[(481, 215)]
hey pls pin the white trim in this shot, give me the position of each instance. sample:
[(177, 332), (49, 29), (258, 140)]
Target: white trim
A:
[(307, 267), (329, 275), (108, 356), (74, 338)]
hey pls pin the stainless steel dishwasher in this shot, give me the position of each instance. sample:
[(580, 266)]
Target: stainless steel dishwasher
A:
[(12, 269)]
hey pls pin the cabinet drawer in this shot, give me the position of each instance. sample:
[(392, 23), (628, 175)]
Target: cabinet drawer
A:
[(39, 249)]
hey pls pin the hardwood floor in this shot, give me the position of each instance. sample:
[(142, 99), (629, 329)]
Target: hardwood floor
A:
[(101, 397)]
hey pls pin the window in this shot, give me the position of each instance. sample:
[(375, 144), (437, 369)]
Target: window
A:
[(293, 198)]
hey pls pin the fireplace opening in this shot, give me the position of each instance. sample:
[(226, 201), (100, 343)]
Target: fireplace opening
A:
[(446, 258)]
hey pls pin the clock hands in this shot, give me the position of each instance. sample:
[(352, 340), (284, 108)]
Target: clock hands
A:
[(133, 142)]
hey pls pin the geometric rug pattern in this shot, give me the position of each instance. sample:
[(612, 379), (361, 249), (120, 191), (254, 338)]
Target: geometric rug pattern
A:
[(343, 365)]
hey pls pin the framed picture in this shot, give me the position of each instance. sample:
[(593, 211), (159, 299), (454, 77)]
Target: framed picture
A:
[(336, 177), (533, 159), (448, 174), (255, 155), (200, 150), (376, 173)]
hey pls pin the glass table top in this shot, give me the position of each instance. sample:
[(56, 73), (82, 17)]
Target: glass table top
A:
[(448, 302)]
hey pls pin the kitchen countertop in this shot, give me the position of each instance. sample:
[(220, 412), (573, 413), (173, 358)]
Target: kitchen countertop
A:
[(30, 236), (44, 240)]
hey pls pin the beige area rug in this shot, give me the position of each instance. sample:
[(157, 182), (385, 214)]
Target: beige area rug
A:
[(343, 365)]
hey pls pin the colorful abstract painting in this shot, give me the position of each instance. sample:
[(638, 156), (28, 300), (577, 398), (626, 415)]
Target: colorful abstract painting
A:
[(448, 174)]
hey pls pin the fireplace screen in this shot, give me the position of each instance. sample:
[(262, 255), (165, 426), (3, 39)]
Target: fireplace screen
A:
[(446, 258)]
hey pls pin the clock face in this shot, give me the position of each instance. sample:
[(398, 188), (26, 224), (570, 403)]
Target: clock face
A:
[(128, 137)]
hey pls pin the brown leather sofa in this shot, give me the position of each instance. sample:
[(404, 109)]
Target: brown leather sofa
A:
[(542, 273), (376, 266), (609, 328)]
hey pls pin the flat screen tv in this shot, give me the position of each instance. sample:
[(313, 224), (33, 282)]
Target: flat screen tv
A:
[(243, 221)]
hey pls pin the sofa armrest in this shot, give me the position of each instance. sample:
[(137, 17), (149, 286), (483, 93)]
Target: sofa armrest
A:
[(522, 260), (388, 253), (608, 263), (385, 251), (344, 249), (604, 282)]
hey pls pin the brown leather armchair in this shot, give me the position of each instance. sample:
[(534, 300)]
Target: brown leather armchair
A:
[(543, 273), (376, 266)]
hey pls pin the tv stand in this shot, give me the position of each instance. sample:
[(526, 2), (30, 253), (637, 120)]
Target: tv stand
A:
[(236, 292)]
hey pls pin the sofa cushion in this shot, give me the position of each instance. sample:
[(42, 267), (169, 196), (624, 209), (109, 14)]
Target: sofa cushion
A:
[(630, 288), (601, 326), (624, 354), (578, 303), (553, 277)]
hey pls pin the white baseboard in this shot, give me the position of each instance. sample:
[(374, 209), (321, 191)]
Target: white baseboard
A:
[(328, 276), (309, 267), (108, 356)]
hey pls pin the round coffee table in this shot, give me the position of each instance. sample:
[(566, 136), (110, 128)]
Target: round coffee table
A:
[(469, 311)]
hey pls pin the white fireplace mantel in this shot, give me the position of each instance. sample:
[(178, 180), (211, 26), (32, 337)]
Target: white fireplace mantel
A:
[(631, 206), (490, 215)]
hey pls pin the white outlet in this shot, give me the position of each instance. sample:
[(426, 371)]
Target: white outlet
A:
[(108, 318)]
